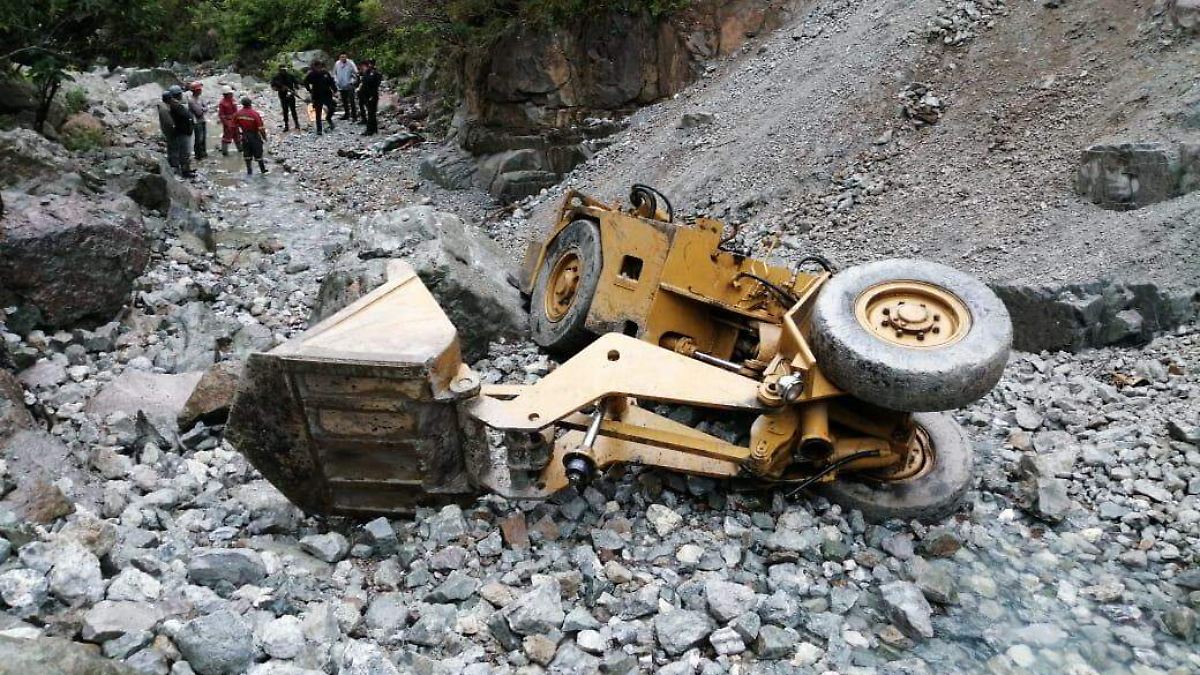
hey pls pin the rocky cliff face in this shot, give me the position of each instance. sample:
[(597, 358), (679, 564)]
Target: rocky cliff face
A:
[(540, 102)]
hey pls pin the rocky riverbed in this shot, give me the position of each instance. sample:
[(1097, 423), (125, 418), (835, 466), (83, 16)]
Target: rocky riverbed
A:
[(133, 530)]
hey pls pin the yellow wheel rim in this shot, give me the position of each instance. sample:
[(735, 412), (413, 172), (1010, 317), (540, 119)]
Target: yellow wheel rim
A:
[(917, 462), (562, 285), (913, 314)]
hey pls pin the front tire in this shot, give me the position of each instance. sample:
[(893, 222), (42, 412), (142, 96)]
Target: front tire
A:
[(565, 285), (910, 335), (930, 496)]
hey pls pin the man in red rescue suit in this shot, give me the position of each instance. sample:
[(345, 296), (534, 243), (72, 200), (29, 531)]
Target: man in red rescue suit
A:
[(226, 109), (254, 134)]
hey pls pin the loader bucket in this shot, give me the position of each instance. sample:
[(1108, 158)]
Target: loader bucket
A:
[(360, 415)]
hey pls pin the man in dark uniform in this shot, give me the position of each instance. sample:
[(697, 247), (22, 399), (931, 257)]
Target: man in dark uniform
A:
[(323, 89), (286, 84), (184, 124), (369, 91)]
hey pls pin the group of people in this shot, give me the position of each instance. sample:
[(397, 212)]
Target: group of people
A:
[(185, 128), (184, 123), (357, 85)]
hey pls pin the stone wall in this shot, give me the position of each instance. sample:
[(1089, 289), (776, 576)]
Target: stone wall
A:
[(1132, 175), (1184, 14), (1073, 317), (540, 102)]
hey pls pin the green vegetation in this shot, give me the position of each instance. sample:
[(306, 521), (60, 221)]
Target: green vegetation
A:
[(75, 100), (41, 39), (252, 31), (411, 39), (408, 38), (82, 139)]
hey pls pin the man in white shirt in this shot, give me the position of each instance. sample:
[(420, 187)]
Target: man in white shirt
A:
[(345, 74)]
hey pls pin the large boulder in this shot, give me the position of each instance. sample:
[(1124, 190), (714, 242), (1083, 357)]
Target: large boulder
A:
[(56, 656), (27, 155), (200, 331), (97, 89), (1184, 14), (1126, 176), (1133, 175), (67, 259), (16, 96), (210, 400), (143, 98), (220, 643), (83, 131), (464, 270), (1073, 317), (347, 280), (13, 415), (450, 167), (19, 99), (159, 189), (38, 501), (163, 77), (159, 397), (300, 61)]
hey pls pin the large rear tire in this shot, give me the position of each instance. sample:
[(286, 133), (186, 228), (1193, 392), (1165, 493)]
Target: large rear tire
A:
[(565, 285), (910, 335), (931, 495)]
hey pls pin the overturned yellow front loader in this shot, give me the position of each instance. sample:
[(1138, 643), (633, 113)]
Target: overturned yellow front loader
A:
[(373, 411)]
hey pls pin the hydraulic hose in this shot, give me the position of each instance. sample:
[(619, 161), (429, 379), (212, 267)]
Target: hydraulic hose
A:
[(639, 193)]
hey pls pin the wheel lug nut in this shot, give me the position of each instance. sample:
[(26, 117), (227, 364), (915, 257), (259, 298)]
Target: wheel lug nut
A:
[(936, 330), (937, 317), (920, 336), (886, 323), (887, 311)]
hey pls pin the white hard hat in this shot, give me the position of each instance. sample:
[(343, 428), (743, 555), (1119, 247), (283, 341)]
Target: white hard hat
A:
[(226, 90)]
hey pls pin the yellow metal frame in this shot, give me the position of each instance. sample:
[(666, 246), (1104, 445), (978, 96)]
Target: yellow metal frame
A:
[(691, 299)]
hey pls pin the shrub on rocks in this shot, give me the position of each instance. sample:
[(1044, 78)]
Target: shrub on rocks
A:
[(83, 131)]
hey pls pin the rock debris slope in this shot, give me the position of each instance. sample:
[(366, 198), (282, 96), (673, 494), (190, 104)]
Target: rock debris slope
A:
[(947, 130)]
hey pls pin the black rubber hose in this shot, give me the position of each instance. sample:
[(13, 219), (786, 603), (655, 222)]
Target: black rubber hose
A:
[(832, 467), (639, 191), (783, 295), (819, 259)]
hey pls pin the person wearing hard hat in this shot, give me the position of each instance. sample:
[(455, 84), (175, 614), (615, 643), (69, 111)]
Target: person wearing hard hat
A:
[(254, 134), (226, 109), (182, 138), (199, 110), (168, 129)]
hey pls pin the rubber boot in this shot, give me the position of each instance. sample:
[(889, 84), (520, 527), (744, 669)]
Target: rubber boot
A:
[(262, 166), (249, 167), (224, 149)]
